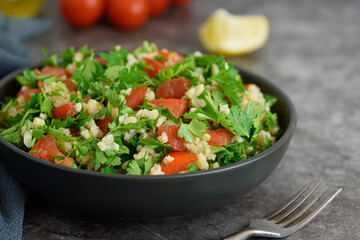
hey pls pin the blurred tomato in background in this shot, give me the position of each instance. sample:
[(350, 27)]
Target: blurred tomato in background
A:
[(158, 7), (82, 13), (181, 3), (124, 14), (128, 14)]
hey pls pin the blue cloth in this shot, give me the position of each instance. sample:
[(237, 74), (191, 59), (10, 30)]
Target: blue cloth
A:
[(13, 55), (12, 200)]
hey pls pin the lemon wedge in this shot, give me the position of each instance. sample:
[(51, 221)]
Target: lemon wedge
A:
[(230, 34)]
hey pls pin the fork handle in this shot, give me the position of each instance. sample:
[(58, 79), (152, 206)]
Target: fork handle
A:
[(244, 234)]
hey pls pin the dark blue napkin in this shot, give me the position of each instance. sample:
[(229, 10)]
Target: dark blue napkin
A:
[(13, 55)]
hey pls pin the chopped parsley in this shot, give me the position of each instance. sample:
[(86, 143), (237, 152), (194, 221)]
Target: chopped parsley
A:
[(101, 131)]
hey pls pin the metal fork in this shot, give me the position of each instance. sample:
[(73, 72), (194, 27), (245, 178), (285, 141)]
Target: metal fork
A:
[(290, 217)]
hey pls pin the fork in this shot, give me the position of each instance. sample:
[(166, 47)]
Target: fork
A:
[(290, 217)]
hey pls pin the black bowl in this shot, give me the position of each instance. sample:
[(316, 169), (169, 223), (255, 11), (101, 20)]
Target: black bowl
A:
[(149, 196)]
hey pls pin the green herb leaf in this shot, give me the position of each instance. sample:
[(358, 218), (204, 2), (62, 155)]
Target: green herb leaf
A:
[(53, 60), (28, 78), (194, 128), (139, 166), (192, 168), (157, 146), (59, 158), (240, 121), (270, 120), (109, 169), (146, 47), (67, 56), (229, 82)]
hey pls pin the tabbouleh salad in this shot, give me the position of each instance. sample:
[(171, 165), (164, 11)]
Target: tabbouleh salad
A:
[(141, 112)]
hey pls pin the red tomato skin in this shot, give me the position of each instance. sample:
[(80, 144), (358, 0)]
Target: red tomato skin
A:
[(48, 148), (136, 97), (176, 106), (103, 124), (82, 13), (174, 141), (172, 57), (51, 70), (70, 85), (155, 64), (64, 110), (181, 161), (158, 7), (101, 60), (40, 84), (219, 137), (26, 93), (180, 3), (128, 14), (173, 88)]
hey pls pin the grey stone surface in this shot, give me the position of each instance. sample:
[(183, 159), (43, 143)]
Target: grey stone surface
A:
[(313, 53)]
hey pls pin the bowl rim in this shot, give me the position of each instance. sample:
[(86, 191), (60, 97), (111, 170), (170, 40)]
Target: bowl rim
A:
[(284, 138)]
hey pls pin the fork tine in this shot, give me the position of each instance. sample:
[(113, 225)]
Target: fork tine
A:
[(313, 214), (302, 211), (290, 202), (293, 208)]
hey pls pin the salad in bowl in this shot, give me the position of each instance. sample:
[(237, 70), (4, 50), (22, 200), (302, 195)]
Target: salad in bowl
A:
[(140, 112)]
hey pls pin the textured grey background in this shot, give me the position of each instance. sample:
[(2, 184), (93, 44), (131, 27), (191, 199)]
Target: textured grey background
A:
[(313, 53)]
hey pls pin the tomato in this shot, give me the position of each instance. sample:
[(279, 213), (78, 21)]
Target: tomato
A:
[(40, 84), (26, 93), (135, 98), (181, 161), (64, 110), (157, 66), (176, 106), (172, 57), (74, 132), (51, 70), (128, 14), (174, 141), (158, 7), (180, 3), (220, 136), (246, 85), (173, 88), (82, 13), (47, 148), (104, 124), (101, 60), (70, 85)]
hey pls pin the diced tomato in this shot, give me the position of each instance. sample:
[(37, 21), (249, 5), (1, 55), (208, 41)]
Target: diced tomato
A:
[(101, 60), (174, 141), (51, 70), (181, 161), (155, 64), (173, 88), (64, 110), (176, 106), (26, 93), (104, 124), (172, 57), (220, 136), (40, 84), (47, 148), (135, 98), (74, 132), (246, 85), (70, 85)]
